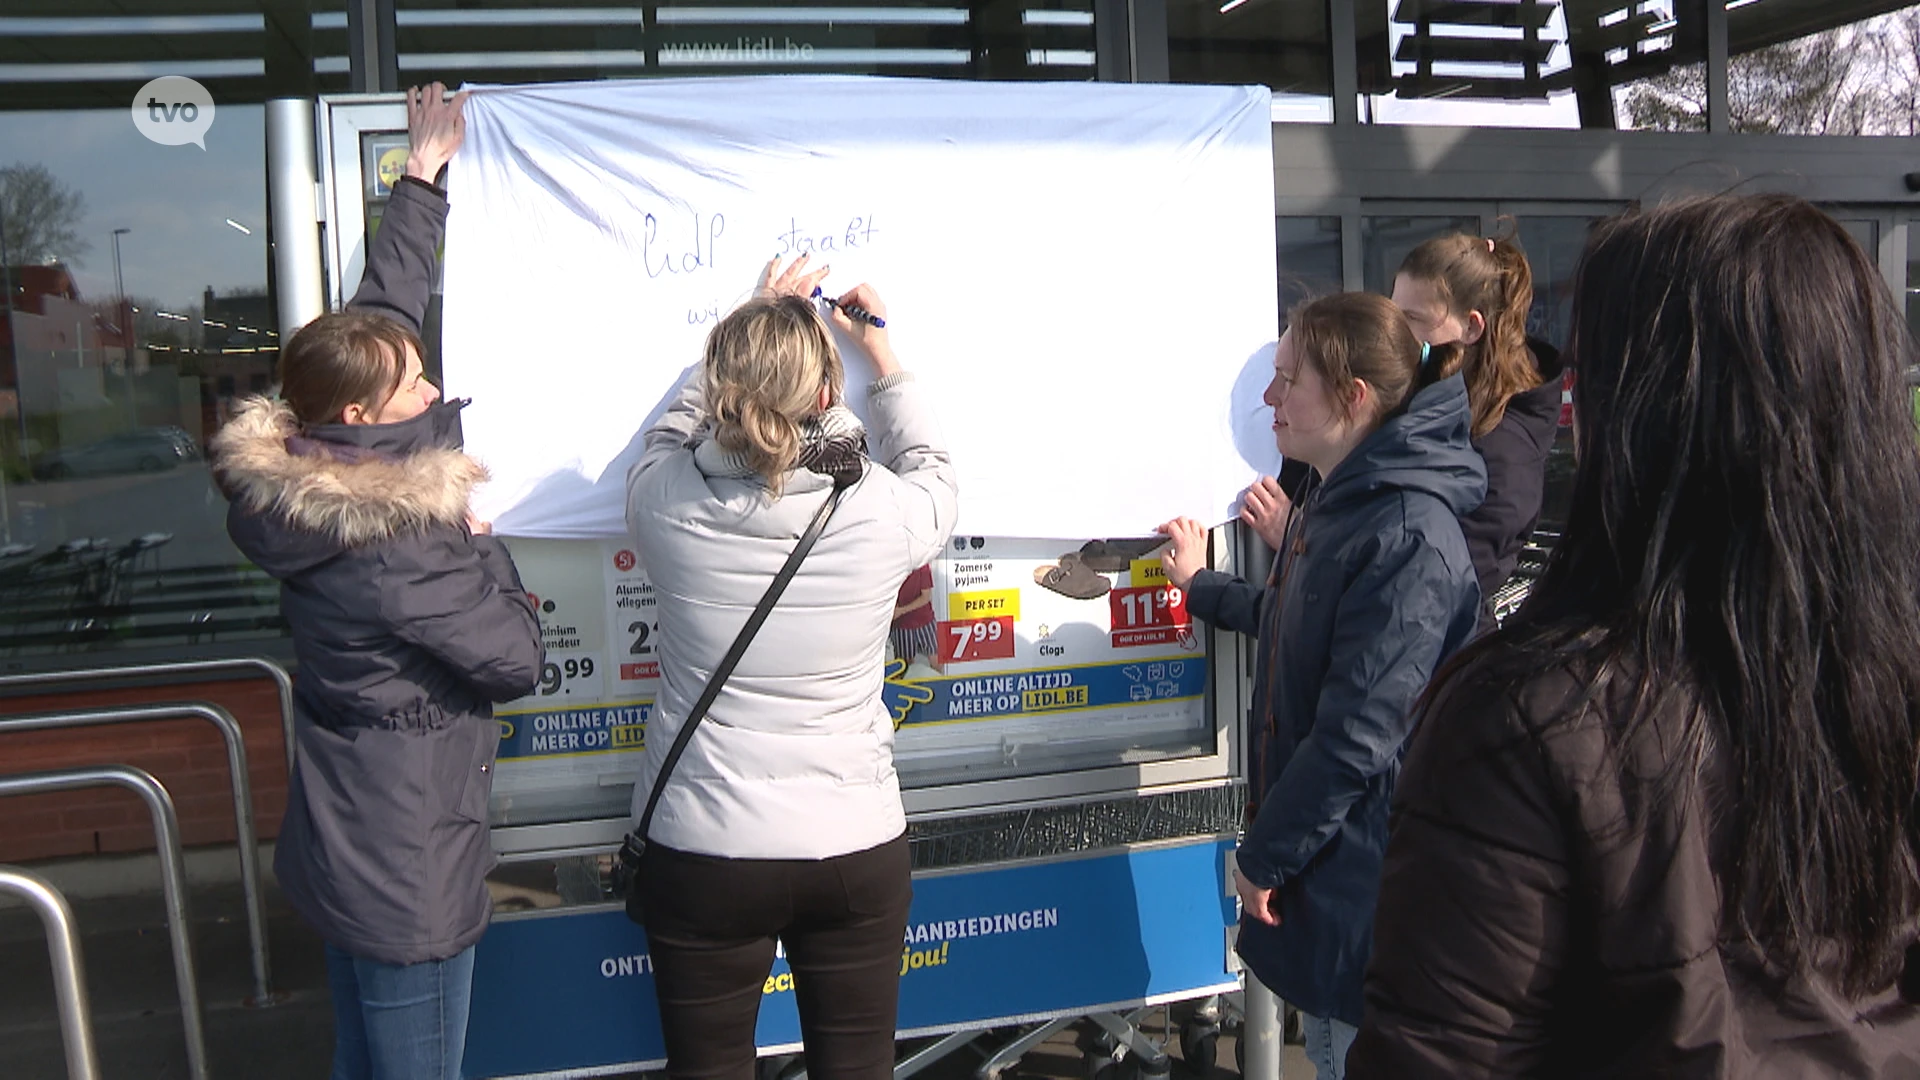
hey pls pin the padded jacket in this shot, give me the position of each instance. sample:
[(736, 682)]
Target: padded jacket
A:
[(1540, 918), (1516, 455), (406, 627), (1374, 589), (795, 758)]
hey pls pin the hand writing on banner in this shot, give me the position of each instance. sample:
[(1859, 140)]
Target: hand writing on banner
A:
[(794, 280), (901, 695), (867, 335)]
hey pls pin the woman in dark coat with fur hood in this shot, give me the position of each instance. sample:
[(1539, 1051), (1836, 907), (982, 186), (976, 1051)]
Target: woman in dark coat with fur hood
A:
[(408, 621)]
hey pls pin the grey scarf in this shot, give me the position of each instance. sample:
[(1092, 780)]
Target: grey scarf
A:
[(833, 444)]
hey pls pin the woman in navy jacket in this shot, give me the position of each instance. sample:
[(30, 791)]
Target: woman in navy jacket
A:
[(1372, 590)]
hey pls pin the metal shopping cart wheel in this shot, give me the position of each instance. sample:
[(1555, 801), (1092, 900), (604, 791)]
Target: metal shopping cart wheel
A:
[(1200, 1045)]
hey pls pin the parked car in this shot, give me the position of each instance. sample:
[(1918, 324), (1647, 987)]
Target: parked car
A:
[(150, 449)]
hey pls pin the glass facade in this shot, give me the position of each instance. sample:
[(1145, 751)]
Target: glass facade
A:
[(1386, 240), (1494, 63), (1309, 258), (521, 42), (1553, 244), (1285, 46), (138, 308), (136, 274)]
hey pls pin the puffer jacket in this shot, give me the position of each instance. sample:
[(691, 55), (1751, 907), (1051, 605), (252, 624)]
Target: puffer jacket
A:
[(1516, 455), (1374, 589), (795, 758), (1540, 918), (406, 627)]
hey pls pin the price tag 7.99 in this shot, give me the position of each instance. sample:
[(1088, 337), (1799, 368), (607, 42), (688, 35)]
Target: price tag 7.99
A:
[(976, 639)]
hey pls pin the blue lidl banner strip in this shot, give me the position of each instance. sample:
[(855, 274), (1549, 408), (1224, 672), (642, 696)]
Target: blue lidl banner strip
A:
[(1096, 686), (575, 991), (556, 732)]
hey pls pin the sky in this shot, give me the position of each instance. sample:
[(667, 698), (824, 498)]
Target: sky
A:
[(176, 199)]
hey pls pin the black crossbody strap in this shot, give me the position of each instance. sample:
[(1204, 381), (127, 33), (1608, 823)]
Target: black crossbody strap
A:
[(739, 648)]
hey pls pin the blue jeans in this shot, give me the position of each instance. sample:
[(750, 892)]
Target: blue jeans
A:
[(1327, 1044), (399, 1021)]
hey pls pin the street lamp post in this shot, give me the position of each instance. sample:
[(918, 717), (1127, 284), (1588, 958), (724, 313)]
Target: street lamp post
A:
[(126, 330), (13, 346)]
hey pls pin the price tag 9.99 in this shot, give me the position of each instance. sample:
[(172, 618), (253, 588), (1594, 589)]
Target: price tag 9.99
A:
[(570, 677)]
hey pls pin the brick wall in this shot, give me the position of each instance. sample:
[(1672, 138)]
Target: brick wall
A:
[(187, 756)]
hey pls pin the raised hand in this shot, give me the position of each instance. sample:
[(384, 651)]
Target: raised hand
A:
[(435, 129)]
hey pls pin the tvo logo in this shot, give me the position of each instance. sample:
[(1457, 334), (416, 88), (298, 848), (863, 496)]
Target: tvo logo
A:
[(174, 110)]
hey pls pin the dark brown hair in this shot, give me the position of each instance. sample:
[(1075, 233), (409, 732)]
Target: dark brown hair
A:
[(1739, 558), (1472, 273), (1357, 335), (342, 359)]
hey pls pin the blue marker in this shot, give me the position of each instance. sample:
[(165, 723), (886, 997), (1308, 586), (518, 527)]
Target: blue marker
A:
[(851, 311)]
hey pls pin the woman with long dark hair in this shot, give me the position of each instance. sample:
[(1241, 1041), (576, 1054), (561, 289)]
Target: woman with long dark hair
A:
[(1664, 822)]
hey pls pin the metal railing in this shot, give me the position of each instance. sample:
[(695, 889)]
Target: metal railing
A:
[(244, 836), (234, 667), (166, 835), (69, 975)]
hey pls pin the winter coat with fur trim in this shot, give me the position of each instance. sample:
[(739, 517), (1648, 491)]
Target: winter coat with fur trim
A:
[(407, 629)]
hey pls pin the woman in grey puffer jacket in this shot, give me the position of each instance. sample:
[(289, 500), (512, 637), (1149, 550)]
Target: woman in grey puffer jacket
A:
[(408, 621), (782, 824)]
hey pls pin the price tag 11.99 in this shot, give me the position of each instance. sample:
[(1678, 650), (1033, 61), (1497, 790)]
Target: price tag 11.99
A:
[(1153, 615), (976, 639)]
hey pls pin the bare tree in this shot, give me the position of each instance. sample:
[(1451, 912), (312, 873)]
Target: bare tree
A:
[(38, 215), (1897, 52), (1852, 80)]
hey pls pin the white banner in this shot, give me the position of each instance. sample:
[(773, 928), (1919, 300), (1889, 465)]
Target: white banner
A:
[(1078, 272)]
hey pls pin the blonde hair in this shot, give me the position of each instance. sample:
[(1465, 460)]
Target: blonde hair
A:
[(1473, 273), (765, 364)]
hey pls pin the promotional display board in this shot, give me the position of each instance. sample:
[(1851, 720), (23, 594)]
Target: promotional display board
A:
[(1021, 672), (1008, 656), (987, 946)]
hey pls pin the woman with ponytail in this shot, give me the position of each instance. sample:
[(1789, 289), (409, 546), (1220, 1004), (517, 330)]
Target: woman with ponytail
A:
[(1372, 590), (782, 822), (1476, 292)]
